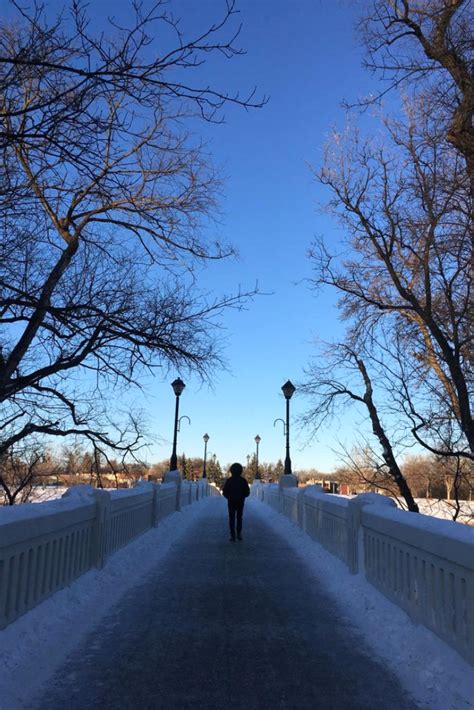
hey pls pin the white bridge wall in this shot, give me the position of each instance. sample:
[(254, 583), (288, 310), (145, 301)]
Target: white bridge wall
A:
[(46, 546), (422, 564)]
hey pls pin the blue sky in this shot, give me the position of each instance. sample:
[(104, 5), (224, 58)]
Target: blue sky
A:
[(304, 55)]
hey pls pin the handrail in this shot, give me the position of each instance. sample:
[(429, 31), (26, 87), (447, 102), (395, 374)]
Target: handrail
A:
[(422, 564), (46, 546)]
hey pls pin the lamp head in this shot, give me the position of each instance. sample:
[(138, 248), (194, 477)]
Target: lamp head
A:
[(178, 386), (257, 439), (288, 389), (206, 438)]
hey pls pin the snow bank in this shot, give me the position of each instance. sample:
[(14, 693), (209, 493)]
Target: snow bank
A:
[(62, 621), (434, 674)]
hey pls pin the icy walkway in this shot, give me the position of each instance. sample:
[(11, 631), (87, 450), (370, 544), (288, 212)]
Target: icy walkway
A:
[(85, 614), (225, 626)]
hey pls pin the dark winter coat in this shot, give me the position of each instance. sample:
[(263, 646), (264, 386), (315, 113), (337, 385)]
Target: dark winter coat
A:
[(236, 489)]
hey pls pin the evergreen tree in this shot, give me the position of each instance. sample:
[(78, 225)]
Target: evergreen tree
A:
[(278, 471), (184, 468)]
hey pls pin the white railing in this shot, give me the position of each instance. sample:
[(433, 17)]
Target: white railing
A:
[(426, 569), (165, 502), (46, 546), (422, 564), (325, 520), (186, 493), (44, 553)]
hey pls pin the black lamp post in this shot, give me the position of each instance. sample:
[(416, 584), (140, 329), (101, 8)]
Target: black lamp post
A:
[(178, 387), (257, 472), (288, 390), (206, 439)]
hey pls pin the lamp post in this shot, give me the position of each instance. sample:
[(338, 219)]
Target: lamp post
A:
[(288, 390), (257, 473), (178, 387), (205, 439)]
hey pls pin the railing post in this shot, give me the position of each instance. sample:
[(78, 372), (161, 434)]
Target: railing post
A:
[(288, 480), (149, 485), (101, 528), (174, 477), (154, 516), (300, 509), (355, 538)]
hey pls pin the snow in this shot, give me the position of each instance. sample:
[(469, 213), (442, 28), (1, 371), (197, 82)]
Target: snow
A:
[(440, 527), (23, 511), (428, 506), (446, 508), (40, 494), (61, 622), (433, 673)]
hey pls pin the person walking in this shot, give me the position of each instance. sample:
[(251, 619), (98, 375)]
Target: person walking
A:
[(236, 490)]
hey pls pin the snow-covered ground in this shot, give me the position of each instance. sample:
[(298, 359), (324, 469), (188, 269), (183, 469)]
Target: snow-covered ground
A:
[(33, 647), (42, 494), (436, 676), (446, 509)]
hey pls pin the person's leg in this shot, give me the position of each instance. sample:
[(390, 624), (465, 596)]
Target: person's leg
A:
[(231, 507), (240, 511)]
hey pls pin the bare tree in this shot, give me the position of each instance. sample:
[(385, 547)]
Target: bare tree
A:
[(422, 475), (22, 468), (345, 379), (404, 275), (72, 459), (426, 48), (105, 206), (407, 281)]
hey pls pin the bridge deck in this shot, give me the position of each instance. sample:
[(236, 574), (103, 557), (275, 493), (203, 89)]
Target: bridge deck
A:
[(225, 626)]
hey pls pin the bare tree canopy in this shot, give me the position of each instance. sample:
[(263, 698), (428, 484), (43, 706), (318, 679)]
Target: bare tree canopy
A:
[(425, 46), (105, 207), (406, 206), (404, 199)]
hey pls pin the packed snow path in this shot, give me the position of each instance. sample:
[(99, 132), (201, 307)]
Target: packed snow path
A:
[(225, 625)]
